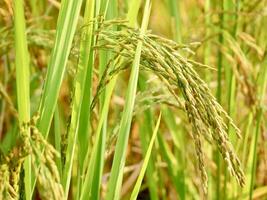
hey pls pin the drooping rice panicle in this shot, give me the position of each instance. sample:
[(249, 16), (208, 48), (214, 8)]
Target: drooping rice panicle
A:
[(165, 59)]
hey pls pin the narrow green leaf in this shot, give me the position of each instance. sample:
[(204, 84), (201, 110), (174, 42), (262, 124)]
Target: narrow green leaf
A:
[(116, 176), (174, 9), (261, 95), (79, 86), (23, 82), (152, 176), (96, 160), (92, 182), (145, 162), (68, 18), (67, 21)]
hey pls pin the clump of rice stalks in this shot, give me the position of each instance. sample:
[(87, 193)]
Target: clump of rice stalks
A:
[(167, 60), (10, 167), (48, 180), (42, 153), (6, 189)]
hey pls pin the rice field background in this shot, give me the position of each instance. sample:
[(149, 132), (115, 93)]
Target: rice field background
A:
[(133, 99)]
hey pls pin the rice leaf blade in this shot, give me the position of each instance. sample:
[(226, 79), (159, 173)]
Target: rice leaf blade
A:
[(116, 176), (23, 83), (145, 162)]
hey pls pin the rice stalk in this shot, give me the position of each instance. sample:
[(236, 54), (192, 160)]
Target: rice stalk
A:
[(145, 162), (174, 9), (31, 143), (84, 71), (262, 79), (152, 175), (68, 18), (100, 138), (23, 91), (116, 176), (46, 171)]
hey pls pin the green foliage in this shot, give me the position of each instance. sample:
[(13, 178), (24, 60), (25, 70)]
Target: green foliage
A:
[(83, 83)]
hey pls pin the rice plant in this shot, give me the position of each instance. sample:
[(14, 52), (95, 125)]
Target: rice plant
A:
[(132, 99)]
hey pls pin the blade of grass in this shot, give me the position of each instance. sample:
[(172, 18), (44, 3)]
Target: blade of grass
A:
[(116, 176), (91, 186), (231, 86), (171, 124), (175, 19), (84, 127), (172, 163), (145, 162), (261, 95), (91, 189), (177, 136), (220, 58), (179, 149), (67, 21), (23, 82), (161, 176), (207, 61), (152, 176), (207, 50), (87, 187), (216, 154), (133, 12), (105, 56), (79, 87), (93, 181)]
